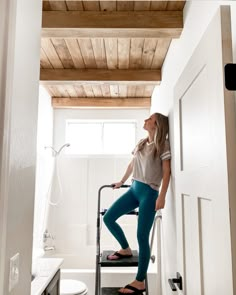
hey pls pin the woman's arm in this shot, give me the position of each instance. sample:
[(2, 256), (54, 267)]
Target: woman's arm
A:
[(127, 174), (160, 203)]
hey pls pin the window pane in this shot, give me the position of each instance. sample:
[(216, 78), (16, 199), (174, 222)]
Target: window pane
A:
[(85, 138), (119, 138), (101, 137)]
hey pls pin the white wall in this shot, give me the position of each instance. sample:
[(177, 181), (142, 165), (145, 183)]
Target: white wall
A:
[(197, 15), (4, 17), (44, 165), (19, 64), (73, 221)]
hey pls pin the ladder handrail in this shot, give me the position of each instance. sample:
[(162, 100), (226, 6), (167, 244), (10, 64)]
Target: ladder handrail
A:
[(157, 217)]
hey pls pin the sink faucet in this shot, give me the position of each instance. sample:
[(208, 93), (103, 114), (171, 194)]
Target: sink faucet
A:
[(49, 248), (47, 235)]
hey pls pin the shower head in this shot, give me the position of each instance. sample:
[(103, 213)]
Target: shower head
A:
[(64, 145)]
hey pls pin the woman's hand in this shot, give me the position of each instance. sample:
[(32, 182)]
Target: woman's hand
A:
[(160, 203), (117, 185)]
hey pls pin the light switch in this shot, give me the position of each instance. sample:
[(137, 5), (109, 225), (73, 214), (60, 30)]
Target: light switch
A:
[(14, 271)]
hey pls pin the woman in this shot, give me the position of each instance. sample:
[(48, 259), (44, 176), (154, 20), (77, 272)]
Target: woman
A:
[(150, 166)]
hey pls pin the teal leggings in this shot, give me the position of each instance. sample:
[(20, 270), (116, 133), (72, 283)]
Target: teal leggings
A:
[(139, 195)]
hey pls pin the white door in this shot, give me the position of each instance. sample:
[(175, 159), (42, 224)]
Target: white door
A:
[(203, 188)]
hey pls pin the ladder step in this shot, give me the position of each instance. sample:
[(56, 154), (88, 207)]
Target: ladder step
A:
[(132, 261), (134, 212), (110, 291)]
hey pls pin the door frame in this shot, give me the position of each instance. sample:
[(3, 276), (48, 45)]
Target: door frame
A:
[(230, 128)]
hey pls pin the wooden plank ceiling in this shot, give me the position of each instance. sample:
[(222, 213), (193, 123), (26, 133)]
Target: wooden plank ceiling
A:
[(106, 53)]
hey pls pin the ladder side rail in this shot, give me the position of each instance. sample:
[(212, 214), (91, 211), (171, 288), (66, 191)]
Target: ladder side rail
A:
[(159, 249), (98, 269), (157, 217), (157, 223)]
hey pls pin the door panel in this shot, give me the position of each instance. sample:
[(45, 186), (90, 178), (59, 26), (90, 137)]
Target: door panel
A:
[(202, 196)]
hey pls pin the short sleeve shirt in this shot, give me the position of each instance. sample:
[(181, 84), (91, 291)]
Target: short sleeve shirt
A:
[(147, 168)]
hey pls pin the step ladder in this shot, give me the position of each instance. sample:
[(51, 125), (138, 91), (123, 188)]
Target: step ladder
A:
[(101, 258)]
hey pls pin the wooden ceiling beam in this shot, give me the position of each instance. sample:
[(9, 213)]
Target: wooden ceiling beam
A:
[(98, 77), (113, 24), (100, 102)]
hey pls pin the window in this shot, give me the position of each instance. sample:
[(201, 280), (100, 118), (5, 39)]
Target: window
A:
[(96, 137)]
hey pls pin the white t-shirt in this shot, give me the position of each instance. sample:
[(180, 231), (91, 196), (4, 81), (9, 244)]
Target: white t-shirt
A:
[(147, 168)]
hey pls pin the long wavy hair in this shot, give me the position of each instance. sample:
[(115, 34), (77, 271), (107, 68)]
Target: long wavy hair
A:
[(161, 134)]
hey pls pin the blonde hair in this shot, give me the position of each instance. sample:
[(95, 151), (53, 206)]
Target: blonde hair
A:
[(161, 134)]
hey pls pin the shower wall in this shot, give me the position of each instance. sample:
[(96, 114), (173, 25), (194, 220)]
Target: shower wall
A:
[(73, 221)]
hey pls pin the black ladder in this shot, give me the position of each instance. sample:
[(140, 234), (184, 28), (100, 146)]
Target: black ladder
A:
[(101, 258)]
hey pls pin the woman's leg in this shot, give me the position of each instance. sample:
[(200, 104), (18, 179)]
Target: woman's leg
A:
[(145, 221), (123, 205), (147, 200)]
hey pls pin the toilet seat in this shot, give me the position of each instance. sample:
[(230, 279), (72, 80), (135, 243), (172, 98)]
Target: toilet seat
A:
[(72, 287)]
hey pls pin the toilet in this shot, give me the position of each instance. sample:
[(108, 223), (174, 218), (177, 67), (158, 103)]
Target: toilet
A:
[(73, 287)]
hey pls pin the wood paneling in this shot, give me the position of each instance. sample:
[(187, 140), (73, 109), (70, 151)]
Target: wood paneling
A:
[(148, 53), (44, 61), (88, 90), (131, 91), (54, 91), (51, 53), (91, 24), (111, 53), (158, 5), (97, 90), (101, 102), (114, 89), (80, 91), (125, 5), (123, 53), (46, 6), (58, 5), (87, 52), (160, 53), (75, 53), (105, 90), (112, 50), (76, 76), (63, 53), (71, 91), (111, 5), (108, 5), (99, 53), (75, 5), (136, 52), (142, 5), (148, 90), (175, 5), (91, 5), (122, 90), (139, 91)]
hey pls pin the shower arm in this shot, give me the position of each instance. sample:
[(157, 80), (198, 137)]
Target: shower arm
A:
[(61, 148)]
